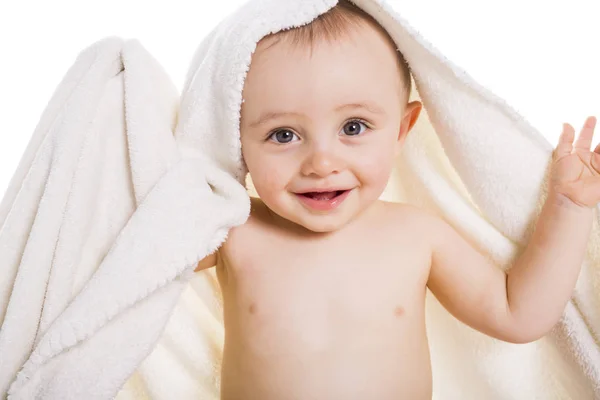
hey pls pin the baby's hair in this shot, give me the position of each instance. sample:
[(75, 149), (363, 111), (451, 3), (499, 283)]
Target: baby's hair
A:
[(334, 24)]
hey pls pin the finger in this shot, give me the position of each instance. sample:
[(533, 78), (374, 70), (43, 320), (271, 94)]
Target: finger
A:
[(565, 141), (584, 141)]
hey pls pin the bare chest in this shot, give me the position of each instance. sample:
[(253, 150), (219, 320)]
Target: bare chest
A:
[(327, 287), (325, 320)]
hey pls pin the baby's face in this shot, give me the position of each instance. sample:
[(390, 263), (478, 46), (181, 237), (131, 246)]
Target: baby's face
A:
[(328, 121)]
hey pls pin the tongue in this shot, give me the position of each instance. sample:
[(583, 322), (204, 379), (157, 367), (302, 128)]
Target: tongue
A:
[(324, 196)]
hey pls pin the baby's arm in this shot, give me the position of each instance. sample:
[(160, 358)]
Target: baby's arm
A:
[(207, 262), (524, 304)]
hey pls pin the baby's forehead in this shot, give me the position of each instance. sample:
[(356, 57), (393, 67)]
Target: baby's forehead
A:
[(284, 77)]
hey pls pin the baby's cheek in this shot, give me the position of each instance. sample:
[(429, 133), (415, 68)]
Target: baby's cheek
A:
[(268, 182), (376, 170)]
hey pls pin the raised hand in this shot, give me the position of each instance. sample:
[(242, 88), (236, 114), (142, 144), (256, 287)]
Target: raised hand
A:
[(575, 168)]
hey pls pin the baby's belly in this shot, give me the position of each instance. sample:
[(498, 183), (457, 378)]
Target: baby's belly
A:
[(342, 372), (299, 347)]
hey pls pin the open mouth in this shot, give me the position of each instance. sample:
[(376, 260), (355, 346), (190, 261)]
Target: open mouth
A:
[(323, 196), (323, 201)]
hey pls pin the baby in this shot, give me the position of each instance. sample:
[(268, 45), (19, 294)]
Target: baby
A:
[(324, 286)]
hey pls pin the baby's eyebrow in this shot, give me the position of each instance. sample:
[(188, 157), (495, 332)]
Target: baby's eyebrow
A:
[(372, 108), (273, 115)]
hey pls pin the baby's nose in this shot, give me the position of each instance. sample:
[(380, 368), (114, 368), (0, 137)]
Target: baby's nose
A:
[(322, 162)]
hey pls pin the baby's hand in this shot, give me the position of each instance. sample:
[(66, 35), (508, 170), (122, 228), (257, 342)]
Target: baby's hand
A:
[(575, 168)]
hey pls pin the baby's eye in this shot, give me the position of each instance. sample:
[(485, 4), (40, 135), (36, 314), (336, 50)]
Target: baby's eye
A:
[(353, 128), (282, 136)]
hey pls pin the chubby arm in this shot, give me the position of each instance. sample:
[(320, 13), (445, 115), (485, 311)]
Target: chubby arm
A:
[(524, 304)]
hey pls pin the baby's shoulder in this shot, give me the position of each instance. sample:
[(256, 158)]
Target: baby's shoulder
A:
[(401, 218), (253, 229)]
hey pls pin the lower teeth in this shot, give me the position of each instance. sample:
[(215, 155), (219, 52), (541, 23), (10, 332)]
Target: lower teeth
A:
[(325, 196)]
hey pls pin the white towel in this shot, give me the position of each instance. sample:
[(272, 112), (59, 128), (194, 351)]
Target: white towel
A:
[(124, 186)]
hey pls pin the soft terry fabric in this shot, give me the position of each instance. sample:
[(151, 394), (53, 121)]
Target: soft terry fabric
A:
[(124, 186)]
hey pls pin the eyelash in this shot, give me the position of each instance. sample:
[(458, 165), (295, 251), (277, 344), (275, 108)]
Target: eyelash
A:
[(359, 120)]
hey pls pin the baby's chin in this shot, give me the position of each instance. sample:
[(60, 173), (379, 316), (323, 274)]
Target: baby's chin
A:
[(322, 224), (318, 222), (307, 223)]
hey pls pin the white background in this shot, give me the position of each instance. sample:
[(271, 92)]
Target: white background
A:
[(542, 56)]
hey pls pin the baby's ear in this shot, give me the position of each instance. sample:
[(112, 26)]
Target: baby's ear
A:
[(411, 115)]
